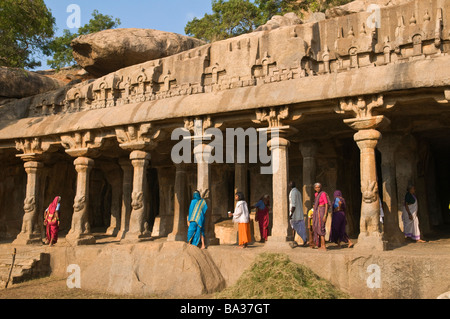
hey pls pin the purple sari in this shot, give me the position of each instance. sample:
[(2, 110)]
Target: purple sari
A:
[(339, 221)]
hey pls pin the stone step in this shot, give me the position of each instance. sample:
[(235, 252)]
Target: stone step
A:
[(28, 265)]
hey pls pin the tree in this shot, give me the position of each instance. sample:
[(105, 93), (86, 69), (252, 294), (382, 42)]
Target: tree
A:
[(229, 19), (26, 27), (235, 17), (60, 49)]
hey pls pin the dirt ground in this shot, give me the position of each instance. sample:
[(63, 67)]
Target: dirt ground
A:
[(56, 288)]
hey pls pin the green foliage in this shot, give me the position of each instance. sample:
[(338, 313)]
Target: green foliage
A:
[(235, 17), (60, 49), (275, 276), (26, 27)]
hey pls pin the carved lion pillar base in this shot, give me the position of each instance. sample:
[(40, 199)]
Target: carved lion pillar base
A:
[(79, 233)]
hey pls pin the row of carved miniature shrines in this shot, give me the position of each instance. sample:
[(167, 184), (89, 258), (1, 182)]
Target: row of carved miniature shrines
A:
[(151, 83)]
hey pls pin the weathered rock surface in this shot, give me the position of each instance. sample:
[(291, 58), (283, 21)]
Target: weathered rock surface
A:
[(278, 21), (110, 50), (162, 269), (18, 83), (444, 296), (360, 6)]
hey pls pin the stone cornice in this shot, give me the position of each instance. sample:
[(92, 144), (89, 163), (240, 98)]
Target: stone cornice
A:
[(297, 94)]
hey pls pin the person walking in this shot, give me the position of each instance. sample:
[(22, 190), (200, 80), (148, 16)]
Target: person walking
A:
[(338, 233), (196, 219), (51, 221), (297, 220)]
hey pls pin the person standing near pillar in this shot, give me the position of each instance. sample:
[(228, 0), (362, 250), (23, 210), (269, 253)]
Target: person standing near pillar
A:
[(410, 217), (321, 206), (242, 217), (297, 219), (262, 216)]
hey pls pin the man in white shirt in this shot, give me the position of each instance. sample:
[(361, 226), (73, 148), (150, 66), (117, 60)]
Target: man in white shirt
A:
[(297, 220)]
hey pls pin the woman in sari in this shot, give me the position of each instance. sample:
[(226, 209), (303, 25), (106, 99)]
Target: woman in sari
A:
[(262, 216), (410, 217), (197, 211), (51, 221), (339, 221), (242, 217), (321, 205)]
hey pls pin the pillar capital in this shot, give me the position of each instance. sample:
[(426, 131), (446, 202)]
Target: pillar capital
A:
[(309, 148), (83, 144), (83, 162), (139, 156), (32, 165), (388, 145), (142, 137)]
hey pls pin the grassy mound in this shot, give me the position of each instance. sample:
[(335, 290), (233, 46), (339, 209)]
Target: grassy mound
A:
[(275, 276)]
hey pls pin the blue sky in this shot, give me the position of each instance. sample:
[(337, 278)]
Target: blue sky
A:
[(164, 15)]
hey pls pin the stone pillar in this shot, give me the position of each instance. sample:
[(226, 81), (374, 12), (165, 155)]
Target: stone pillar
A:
[(181, 205), (240, 180), (309, 151), (138, 224), (278, 145), (127, 181), (114, 176), (367, 137), (370, 236), (30, 233), (79, 233), (387, 146), (202, 153)]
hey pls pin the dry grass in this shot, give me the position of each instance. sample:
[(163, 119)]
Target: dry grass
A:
[(274, 276)]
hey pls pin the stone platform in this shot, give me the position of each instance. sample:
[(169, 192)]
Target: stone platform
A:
[(178, 270)]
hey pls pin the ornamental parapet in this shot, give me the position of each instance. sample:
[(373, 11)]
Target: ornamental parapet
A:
[(413, 31)]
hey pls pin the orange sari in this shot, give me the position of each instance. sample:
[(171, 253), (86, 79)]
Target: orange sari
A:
[(244, 233)]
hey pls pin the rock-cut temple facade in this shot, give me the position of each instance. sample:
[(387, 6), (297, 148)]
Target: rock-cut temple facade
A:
[(358, 107)]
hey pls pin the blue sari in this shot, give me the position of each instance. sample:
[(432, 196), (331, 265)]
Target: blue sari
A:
[(197, 211)]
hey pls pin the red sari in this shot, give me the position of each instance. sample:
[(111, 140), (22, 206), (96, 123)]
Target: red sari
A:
[(51, 221), (262, 216)]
